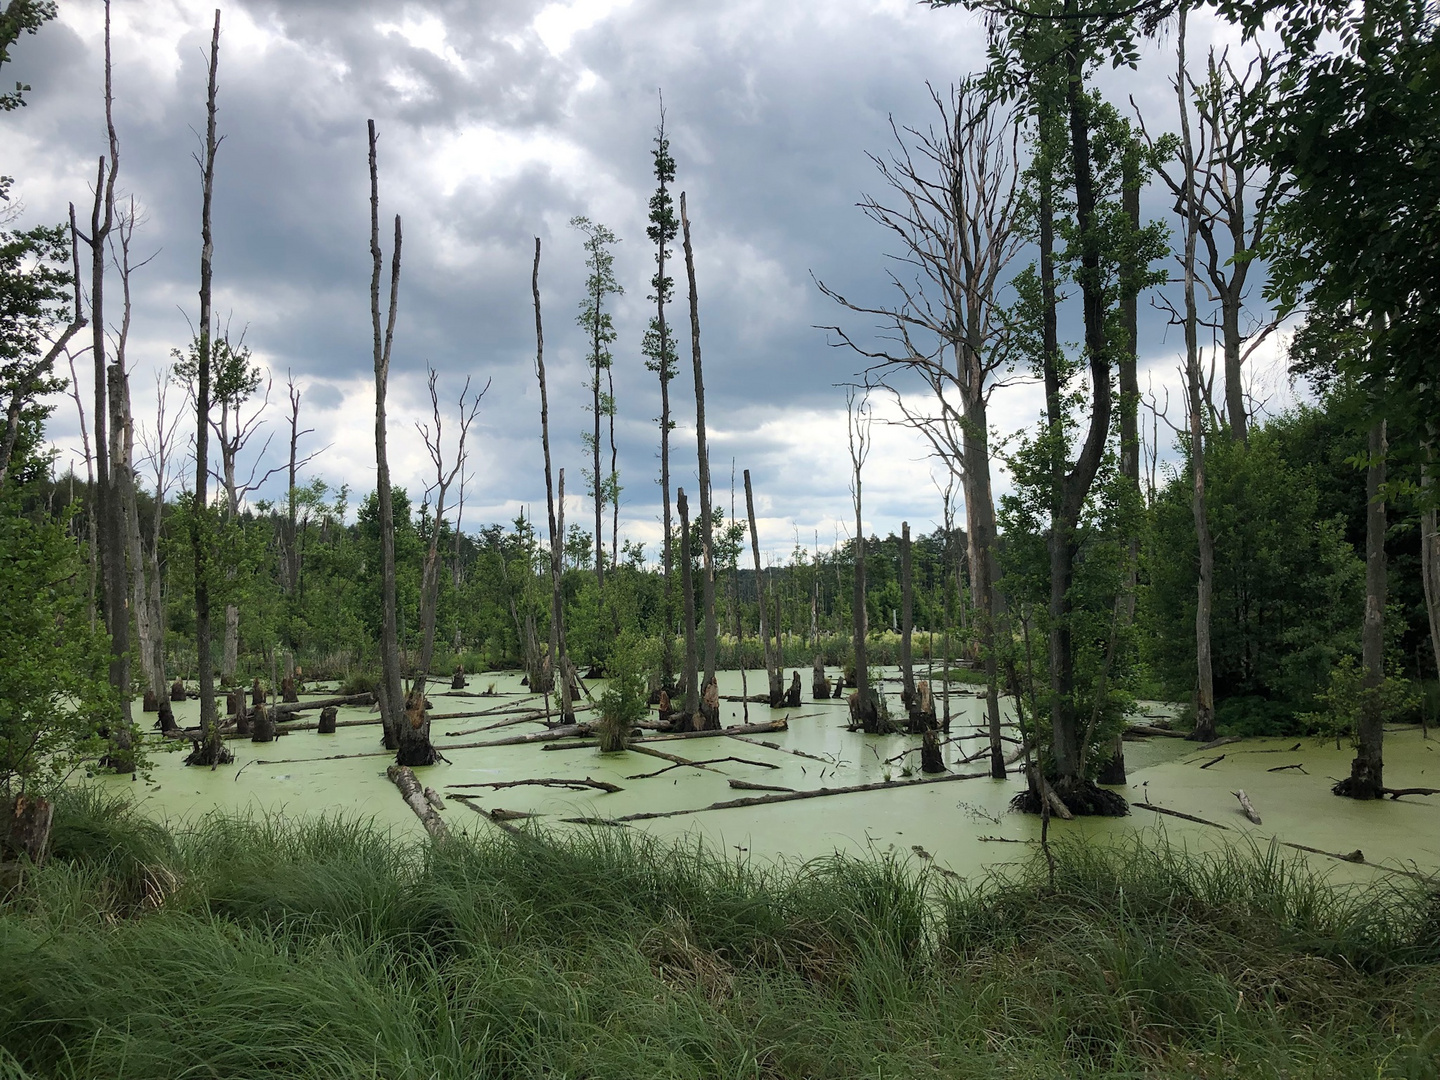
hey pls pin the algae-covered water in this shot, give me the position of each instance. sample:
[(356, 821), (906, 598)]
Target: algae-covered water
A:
[(964, 826)]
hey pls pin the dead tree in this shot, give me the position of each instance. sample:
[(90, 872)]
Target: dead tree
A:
[(391, 693), (109, 494), (1191, 212), (687, 587), (707, 539), (1367, 770), (415, 747), (1430, 546), (209, 750), (557, 537), (907, 617), (1234, 204), (864, 708), (956, 221), (772, 660), (660, 350), (158, 447)]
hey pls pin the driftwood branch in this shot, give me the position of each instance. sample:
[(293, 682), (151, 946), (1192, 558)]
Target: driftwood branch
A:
[(556, 782), (403, 777)]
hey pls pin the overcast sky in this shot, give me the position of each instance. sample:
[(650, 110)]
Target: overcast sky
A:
[(499, 122)]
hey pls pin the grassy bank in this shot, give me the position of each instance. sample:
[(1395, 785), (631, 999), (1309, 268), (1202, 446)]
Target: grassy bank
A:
[(242, 948)]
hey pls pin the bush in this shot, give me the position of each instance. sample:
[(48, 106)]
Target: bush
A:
[(626, 698)]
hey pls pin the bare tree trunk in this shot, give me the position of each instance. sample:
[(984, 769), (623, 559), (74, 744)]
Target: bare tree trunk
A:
[(772, 662), (1430, 552), (557, 526), (392, 700), (687, 586), (907, 616), (1205, 683), (210, 750), (707, 545), (1367, 771), (864, 709), (980, 510)]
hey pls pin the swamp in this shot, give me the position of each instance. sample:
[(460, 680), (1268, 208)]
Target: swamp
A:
[(1010, 647)]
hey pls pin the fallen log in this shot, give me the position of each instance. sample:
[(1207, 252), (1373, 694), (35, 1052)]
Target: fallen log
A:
[(1150, 729), (705, 764), (328, 757), (403, 777), (1224, 740), (536, 717), (763, 800), (746, 785), (564, 731), (1283, 768), (286, 707), (738, 729), (1395, 793), (494, 818), (785, 749), (1247, 806), (573, 785), (1178, 814), (497, 711), (1213, 761)]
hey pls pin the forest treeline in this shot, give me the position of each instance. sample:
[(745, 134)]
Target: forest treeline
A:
[(1283, 577)]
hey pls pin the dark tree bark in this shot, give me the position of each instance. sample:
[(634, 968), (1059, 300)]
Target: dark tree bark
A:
[(1367, 771), (707, 585), (209, 750), (392, 700), (692, 695), (907, 616), (864, 709)]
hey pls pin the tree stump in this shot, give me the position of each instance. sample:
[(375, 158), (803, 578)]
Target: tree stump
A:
[(262, 728), (166, 721), (287, 690), (708, 719), (457, 681), (819, 684), (151, 704), (1113, 771), (26, 830), (177, 690), (257, 692), (792, 696), (931, 760), (865, 715), (921, 717), (327, 720), (839, 687)]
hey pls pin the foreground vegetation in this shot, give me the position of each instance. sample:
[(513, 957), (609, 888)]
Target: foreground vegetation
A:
[(242, 947)]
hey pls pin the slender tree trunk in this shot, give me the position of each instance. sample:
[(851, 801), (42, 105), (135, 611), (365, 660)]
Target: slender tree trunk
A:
[(707, 544), (211, 750), (692, 695), (980, 510), (772, 662), (859, 627), (557, 599), (1367, 771), (392, 700), (907, 615), (1205, 682), (1430, 553), (557, 614)]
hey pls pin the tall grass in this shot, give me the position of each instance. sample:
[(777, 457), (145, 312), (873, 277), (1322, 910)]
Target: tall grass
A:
[(247, 947)]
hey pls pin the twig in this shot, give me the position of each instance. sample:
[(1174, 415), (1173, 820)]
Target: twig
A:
[(1178, 814)]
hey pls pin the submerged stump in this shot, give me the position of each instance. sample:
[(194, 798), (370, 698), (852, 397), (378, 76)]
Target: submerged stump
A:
[(708, 719), (457, 681), (262, 727), (166, 720), (257, 692), (931, 760), (792, 696), (819, 684), (151, 703), (287, 690), (177, 690), (328, 717)]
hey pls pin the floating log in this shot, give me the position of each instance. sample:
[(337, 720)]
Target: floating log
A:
[(403, 777), (328, 716), (496, 710), (287, 708), (1149, 729), (785, 750), (763, 800), (746, 785), (738, 729), (563, 731), (1283, 768), (573, 785), (1396, 793), (1213, 761), (1176, 813), (1224, 740), (1246, 805), (704, 763)]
